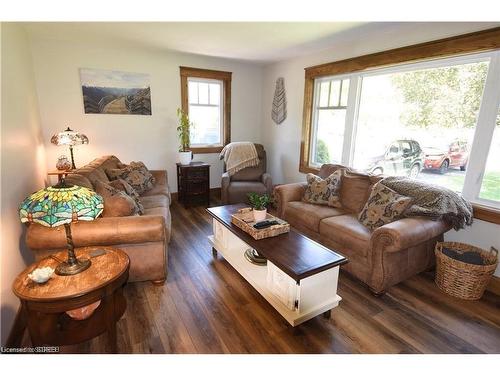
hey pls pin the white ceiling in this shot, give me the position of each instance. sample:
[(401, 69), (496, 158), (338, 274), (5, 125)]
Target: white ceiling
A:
[(254, 41), (261, 42)]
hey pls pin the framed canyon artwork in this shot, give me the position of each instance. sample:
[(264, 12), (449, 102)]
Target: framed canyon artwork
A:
[(115, 92)]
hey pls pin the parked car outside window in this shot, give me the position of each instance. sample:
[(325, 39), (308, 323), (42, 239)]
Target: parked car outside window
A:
[(402, 158), (441, 158)]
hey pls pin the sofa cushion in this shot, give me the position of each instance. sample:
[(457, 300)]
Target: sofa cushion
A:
[(354, 191), (93, 174), (116, 202), (108, 162), (123, 185), (136, 174), (323, 191), (383, 207), (347, 231), (129, 190), (157, 211), (309, 215), (152, 201), (158, 189), (327, 169), (78, 179)]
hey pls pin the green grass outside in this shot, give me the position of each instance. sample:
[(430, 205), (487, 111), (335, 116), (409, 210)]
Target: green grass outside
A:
[(491, 186)]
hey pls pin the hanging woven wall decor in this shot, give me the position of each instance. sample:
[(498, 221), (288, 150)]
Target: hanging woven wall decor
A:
[(279, 102)]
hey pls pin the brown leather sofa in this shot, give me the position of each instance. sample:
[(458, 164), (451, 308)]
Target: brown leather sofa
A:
[(380, 259), (144, 238), (234, 189)]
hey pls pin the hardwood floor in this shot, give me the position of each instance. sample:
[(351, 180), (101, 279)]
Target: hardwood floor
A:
[(207, 307)]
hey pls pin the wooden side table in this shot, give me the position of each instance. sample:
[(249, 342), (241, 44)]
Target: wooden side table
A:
[(60, 174), (193, 183), (45, 305)]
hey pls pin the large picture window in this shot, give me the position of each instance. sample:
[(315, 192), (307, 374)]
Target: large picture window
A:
[(206, 97), (419, 122), (435, 120)]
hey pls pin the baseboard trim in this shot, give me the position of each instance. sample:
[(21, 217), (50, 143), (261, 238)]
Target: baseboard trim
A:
[(15, 337), (213, 191), (494, 285)]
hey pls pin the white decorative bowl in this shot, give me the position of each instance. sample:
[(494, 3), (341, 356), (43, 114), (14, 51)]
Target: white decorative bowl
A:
[(41, 275)]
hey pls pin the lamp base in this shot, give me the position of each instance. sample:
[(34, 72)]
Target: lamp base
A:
[(66, 269)]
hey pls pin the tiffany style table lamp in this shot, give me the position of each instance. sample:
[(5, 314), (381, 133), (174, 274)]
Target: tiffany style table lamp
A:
[(69, 138), (63, 204)]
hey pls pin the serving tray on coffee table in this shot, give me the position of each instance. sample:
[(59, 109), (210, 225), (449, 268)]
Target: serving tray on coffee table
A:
[(244, 220)]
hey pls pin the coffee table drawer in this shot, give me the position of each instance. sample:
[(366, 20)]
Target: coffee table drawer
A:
[(282, 286)]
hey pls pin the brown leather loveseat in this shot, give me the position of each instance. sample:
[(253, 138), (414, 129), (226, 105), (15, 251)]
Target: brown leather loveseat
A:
[(380, 259), (144, 238)]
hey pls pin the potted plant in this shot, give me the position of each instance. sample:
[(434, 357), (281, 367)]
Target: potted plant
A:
[(259, 204), (185, 155)]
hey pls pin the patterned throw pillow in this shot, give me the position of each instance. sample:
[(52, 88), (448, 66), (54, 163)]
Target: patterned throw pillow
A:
[(383, 206), (135, 174), (325, 192), (129, 190), (116, 202)]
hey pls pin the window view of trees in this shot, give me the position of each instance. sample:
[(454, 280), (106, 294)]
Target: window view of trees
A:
[(322, 153), (446, 97), (434, 109)]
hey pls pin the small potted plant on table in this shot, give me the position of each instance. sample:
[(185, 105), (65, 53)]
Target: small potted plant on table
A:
[(259, 204), (185, 155)]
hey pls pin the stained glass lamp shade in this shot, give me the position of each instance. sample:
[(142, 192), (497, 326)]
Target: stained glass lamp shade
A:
[(69, 138), (61, 205)]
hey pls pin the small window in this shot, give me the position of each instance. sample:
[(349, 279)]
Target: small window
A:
[(394, 149), (205, 112), (205, 96), (329, 120)]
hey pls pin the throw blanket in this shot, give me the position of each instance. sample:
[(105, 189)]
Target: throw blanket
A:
[(432, 201), (239, 155)]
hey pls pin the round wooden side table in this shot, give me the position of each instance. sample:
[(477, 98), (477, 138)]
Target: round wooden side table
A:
[(45, 305)]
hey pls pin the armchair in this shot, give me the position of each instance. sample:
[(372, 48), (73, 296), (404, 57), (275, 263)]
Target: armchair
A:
[(234, 189)]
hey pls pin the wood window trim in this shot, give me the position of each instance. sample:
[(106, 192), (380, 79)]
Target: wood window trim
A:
[(481, 41), (484, 213), (225, 77)]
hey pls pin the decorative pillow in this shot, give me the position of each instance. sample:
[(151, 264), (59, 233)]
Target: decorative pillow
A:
[(325, 192), (129, 190), (116, 202), (136, 174), (383, 206)]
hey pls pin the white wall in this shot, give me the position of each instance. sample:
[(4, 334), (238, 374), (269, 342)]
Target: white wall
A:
[(481, 234), (22, 159), (282, 141), (152, 139)]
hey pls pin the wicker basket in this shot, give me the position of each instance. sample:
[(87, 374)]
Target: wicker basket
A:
[(464, 280)]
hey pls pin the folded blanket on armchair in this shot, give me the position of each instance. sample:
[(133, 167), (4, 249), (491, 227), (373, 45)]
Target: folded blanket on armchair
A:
[(239, 155), (432, 201)]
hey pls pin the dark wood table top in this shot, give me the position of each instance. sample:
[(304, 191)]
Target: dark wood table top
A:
[(295, 254), (104, 270), (193, 164)]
